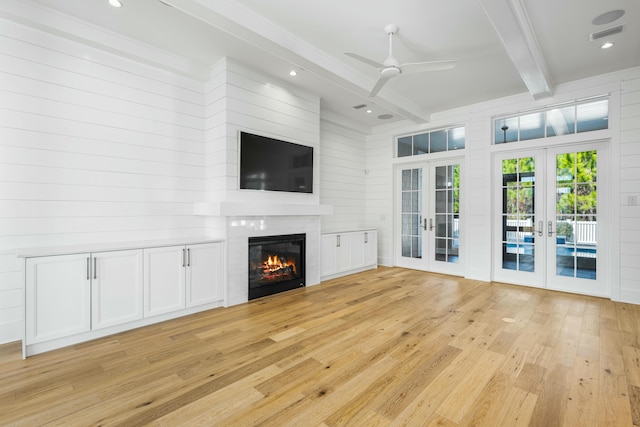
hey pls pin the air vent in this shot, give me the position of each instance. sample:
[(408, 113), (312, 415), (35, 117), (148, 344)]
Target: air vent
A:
[(385, 116), (359, 106), (606, 33)]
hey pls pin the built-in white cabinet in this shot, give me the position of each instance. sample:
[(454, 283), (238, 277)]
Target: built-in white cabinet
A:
[(348, 252), (70, 298), (204, 274), (181, 276), (58, 295), (164, 278), (116, 287)]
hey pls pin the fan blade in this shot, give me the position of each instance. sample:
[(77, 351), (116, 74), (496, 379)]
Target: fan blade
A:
[(381, 82), (420, 67), (365, 60)]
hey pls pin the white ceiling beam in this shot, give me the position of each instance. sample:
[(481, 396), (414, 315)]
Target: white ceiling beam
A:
[(246, 25), (510, 20)]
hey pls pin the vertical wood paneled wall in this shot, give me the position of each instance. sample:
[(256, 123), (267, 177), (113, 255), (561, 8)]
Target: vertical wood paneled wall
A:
[(93, 148)]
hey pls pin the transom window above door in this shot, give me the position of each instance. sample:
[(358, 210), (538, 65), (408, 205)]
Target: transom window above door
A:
[(562, 119), (434, 141)]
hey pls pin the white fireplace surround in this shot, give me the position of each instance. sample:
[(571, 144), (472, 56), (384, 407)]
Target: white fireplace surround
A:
[(240, 228)]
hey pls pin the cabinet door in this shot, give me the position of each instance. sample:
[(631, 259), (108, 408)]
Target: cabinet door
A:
[(164, 278), (370, 248), (204, 273), (356, 249), (329, 254), (58, 297), (344, 252), (116, 288)]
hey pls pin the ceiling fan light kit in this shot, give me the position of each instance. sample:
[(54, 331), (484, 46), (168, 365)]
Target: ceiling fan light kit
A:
[(391, 67)]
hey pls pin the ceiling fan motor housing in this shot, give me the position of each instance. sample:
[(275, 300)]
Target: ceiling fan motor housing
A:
[(389, 72)]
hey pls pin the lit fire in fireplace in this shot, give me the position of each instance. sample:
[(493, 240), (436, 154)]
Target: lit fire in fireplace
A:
[(276, 267)]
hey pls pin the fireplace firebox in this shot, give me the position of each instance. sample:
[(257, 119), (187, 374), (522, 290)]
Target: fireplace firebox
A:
[(276, 264)]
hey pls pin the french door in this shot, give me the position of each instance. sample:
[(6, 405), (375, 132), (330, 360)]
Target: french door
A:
[(550, 218), (428, 205)]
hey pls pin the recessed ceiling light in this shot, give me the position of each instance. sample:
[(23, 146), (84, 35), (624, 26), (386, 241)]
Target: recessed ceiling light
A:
[(607, 45), (115, 3), (369, 111), (608, 17), (293, 73), (385, 116)]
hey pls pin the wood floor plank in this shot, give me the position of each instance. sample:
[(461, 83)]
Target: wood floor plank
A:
[(387, 347)]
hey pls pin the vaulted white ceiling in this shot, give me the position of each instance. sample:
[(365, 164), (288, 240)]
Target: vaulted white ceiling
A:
[(503, 47)]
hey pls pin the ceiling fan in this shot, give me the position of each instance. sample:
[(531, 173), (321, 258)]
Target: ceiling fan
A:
[(391, 67)]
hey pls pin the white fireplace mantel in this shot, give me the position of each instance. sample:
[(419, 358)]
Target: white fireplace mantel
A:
[(259, 209)]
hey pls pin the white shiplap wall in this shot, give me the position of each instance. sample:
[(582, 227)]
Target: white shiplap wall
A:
[(630, 186), (216, 158), (261, 104), (93, 148), (342, 177)]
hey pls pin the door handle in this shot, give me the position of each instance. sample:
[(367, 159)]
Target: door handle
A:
[(424, 224), (95, 268), (188, 257), (366, 237), (550, 229), (88, 268), (430, 224), (540, 228), (184, 257)]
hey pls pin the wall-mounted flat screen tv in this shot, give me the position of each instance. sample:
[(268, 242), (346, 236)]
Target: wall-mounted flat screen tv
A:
[(274, 165)]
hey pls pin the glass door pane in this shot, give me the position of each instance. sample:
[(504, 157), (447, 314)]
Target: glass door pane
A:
[(576, 214), (447, 213), (518, 214), (411, 232), (518, 254), (576, 219), (445, 235)]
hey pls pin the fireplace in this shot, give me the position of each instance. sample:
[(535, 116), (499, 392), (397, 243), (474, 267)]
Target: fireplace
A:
[(276, 264)]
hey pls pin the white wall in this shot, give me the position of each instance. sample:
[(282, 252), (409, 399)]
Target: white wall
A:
[(342, 177), (93, 148), (630, 186), (264, 105), (624, 141)]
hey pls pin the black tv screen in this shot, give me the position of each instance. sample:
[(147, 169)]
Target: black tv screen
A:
[(273, 165)]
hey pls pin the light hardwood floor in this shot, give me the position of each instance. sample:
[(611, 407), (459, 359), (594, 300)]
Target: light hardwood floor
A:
[(385, 347)]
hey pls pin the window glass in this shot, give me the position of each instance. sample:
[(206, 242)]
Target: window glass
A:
[(592, 116), (506, 130), (438, 141), (431, 142), (532, 126), (404, 146), (561, 121), (456, 138), (421, 144), (556, 121)]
